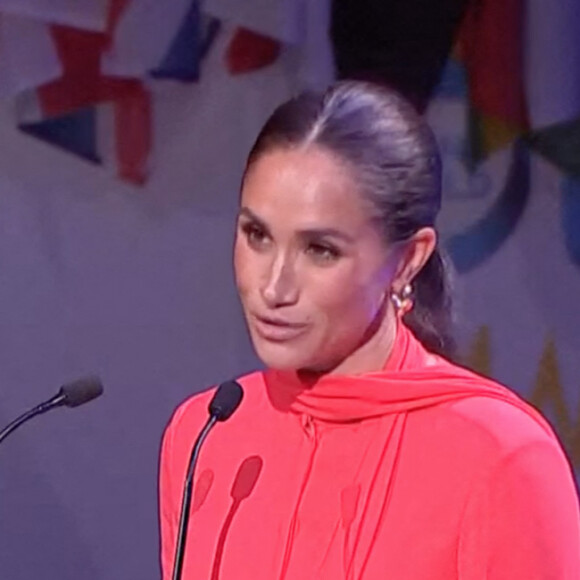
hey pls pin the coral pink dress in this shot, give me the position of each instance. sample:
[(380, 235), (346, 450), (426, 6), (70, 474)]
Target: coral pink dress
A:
[(421, 471)]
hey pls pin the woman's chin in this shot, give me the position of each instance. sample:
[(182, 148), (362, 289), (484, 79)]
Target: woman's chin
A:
[(282, 357)]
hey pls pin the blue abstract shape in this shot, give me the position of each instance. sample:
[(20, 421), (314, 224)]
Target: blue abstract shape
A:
[(453, 83), (75, 133), (471, 248), (570, 217), (479, 183), (210, 28), (194, 37)]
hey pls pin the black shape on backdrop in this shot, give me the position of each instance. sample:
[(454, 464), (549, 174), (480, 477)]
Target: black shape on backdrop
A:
[(402, 43)]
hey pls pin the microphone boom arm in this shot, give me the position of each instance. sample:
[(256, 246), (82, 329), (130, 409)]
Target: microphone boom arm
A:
[(55, 401)]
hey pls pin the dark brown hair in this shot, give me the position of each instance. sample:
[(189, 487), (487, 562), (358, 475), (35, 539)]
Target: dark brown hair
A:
[(395, 159)]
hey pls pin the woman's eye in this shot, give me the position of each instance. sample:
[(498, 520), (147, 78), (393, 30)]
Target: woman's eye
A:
[(254, 234), (323, 252)]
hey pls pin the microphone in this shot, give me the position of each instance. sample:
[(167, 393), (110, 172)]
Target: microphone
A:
[(70, 395), (222, 406)]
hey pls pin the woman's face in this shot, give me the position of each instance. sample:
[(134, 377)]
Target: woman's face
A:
[(312, 271)]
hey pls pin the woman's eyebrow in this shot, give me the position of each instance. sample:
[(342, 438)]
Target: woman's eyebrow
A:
[(326, 232), (304, 233), (248, 213)]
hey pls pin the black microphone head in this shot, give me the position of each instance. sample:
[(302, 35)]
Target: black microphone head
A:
[(81, 391), (226, 400)]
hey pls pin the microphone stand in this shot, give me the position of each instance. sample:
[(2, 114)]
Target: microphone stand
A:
[(186, 502)]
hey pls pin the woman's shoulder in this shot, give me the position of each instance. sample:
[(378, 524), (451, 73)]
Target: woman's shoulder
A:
[(501, 415), (487, 428), (506, 424)]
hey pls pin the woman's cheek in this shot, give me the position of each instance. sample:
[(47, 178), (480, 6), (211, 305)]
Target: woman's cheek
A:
[(333, 289), (243, 269)]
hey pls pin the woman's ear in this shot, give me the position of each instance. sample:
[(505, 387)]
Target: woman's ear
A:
[(414, 255)]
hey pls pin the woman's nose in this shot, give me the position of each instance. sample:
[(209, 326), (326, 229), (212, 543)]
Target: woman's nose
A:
[(279, 284)]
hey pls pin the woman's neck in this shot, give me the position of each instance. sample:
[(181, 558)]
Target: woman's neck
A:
[(370, 356)]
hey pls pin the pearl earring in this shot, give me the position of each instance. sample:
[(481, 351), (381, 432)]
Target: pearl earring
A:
[(402, 300)]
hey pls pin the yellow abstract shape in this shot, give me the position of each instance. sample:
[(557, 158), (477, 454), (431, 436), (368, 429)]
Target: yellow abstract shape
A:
[(573, 445), (479, 357), (497, 134), (548, 394)]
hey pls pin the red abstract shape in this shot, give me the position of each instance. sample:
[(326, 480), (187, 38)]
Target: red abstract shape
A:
[(249, 51), (491, 45), (133, 131), (83, 85)]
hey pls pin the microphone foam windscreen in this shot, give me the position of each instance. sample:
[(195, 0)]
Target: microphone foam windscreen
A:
[(226, 400), (81, 391)]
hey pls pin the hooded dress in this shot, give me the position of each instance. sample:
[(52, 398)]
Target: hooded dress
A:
[(423, 470)]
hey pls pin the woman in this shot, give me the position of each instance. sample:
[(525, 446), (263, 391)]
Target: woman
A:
[(361, 453)]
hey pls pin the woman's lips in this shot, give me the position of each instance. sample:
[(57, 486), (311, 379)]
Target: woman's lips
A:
[(276, 329)]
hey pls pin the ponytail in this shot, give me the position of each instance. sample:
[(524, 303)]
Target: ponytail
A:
[(431, 318)]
